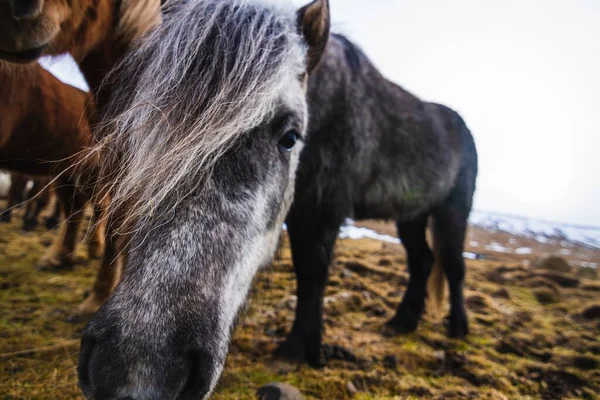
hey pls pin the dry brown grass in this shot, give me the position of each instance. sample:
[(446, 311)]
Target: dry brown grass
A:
[(519, 347)]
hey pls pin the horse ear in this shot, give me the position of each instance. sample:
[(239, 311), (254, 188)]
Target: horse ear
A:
[(313, 24)]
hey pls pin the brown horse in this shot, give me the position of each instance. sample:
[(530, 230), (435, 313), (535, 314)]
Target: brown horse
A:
[(15, 195), (96, 33), (36, 199), (44, 125), (40, 196)]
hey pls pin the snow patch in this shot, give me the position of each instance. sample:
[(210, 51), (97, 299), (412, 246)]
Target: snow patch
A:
[(4, 184), (497, 247), (354, 232), (542, 239), (523, 250)]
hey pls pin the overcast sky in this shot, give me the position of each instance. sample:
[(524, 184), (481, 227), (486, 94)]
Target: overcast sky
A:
[(524, 74)]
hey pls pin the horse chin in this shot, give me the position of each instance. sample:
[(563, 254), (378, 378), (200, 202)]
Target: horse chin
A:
[(23, 57)]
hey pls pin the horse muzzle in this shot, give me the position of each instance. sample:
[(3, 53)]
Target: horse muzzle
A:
[(115, 367)]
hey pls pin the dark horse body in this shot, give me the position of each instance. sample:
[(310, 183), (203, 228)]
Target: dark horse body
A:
[(376, 151)]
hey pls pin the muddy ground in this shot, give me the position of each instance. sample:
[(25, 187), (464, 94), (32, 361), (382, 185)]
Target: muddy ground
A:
[(535, 329)]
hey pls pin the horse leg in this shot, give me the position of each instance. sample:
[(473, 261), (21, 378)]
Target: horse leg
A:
[(107, 277), (18, 183), (420, 260), (53, 219), (450, 227), (61, 253), (312, 247), (98, 231), (35, 207)]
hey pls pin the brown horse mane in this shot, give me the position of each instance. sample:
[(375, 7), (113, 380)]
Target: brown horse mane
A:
[(135, 18)]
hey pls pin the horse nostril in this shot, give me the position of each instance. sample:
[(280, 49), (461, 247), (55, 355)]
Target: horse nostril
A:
[(201, 373), (26, 9), (87, 347)]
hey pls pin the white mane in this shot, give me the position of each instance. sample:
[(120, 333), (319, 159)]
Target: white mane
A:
[(208, 74)]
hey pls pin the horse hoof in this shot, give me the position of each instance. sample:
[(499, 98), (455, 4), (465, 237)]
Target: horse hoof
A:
[(458, 330), (397, 326), (55, 265), (316, 363), (458, 324), (335, 352), (291, 350), (51, 223)]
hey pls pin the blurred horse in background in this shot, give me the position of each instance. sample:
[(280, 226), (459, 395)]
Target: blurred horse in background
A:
[(40, 196), (16, 194), (36, 199), (45, 124), (96, 34)]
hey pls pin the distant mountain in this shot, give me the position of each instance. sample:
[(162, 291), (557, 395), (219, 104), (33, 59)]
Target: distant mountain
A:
[(542, 231)]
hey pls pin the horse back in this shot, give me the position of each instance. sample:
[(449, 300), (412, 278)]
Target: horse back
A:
[(374, 149), (43, 121)]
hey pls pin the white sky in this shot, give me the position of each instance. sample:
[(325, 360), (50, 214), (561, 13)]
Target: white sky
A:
[(524, 74)]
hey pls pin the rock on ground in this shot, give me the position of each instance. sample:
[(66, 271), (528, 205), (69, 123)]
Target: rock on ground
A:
[(279, 391)]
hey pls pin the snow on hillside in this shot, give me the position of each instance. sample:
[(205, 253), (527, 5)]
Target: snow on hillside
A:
[(542, 231)]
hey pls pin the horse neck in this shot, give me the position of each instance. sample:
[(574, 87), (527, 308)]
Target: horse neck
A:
[(96, 54), (90, 23), (99, 60), (16, 82), (13, 80), (96, 65)]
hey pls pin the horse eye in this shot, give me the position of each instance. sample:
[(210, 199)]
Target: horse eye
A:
[(288, 140)]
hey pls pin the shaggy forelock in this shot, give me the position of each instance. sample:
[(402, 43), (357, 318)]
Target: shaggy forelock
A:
[(213, 70), (136, 17)]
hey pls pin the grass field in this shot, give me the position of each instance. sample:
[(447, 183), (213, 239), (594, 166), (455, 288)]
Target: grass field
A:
[(535, 331)]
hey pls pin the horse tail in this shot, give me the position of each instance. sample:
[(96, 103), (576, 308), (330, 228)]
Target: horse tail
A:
[(436, 285)]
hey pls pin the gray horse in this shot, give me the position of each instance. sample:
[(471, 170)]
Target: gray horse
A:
[(374, 150), (199, 149)]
